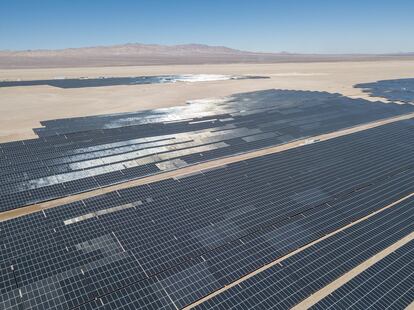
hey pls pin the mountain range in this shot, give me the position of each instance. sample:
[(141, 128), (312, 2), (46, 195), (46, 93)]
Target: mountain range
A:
[(154, 54)]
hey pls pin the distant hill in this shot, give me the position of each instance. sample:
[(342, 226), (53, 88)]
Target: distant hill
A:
[(154, 54)]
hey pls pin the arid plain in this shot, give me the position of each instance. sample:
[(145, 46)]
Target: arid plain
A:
[(22, 108)]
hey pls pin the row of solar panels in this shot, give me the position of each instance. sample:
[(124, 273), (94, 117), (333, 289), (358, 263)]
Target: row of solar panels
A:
[(384, 142), (196, 279), (386, 284), (286, 284), (172, 242), (35, 172), (394, 90), (282, 101), (115, 81)]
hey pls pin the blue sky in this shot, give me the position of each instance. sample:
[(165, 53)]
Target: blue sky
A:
[(313, 26)]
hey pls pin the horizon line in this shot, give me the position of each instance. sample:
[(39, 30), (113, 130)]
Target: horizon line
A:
[(206, 45)]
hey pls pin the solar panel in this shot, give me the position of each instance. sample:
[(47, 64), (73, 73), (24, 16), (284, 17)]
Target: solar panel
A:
[(180, 239), (80, 154), (68, 83), (394, 90), (299, 276), (386, 284)]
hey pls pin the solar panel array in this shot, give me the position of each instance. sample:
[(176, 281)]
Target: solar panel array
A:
[(395, 90), (167, 244), (114, 81), (284, 285), (388, 284), (270, 110), (80, 154)]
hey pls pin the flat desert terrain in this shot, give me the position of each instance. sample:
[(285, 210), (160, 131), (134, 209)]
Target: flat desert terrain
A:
[(22, 108)]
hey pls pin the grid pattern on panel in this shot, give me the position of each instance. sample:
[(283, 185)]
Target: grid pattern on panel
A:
[(299, 276), (189, 236), (386, 284), (401, 90), (80, 154)]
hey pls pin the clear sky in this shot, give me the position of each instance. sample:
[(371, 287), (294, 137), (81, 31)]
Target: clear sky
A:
[(312, 26)]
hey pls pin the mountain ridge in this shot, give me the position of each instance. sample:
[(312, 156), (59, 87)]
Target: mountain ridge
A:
[(137, 48), (156, 54)]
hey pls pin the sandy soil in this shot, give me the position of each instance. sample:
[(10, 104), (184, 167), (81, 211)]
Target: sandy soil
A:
[(22, 108)]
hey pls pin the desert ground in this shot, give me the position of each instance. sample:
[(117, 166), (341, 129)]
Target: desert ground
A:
[(22, 108)]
